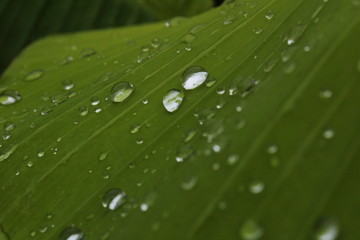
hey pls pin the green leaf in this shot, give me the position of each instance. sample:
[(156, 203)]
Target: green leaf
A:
[(23, 21), (266, 148)]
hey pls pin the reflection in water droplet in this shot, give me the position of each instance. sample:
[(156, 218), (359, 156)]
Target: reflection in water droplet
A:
[(183, 152), (121, 91), (83, 110), (328, 134), (46, 110), (31, 76), (9, 97), (269, 15), (172, 100), (251, 230), (72, 233), (40, 153), (326, 229), (193, 77), (135, 128), (114, 198), (256, 187)]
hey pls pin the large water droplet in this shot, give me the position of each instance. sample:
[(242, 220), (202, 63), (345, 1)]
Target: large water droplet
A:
[(193, 77), (326, 229), (172, 100), (33, 75), (72, 233), (114, 198), (9, 97), (121, 91), (251, 230)]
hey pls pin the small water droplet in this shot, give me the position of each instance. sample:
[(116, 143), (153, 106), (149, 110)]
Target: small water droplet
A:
[(139, 140), (114, 198), (145, 101), (220, 90), (32, 233), (30, 164), (102, 156), (9, 97), (135, 128), (189, 183), (326, 229), (233, 159), (46, 110), (59, 98), (33, 75), (189, 135), (183, 152), (256, 187), (9, 126), (87, 52), (72, 233), (95, 100), (40, 153), (328, 134), (121, 91), (230, 19), (251, 230), (193, 77), (83, 110), (325, 94), (272, 149), (269, 15), (68, 84), (172, 100)]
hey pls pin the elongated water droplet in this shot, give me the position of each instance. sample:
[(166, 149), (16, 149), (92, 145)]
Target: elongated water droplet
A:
[(114, 198), (189, 135), (121, 91), (33, 75), (135, 128), (193, 77), (102, 156), (326, 229), (9, 126), (87, 52), (72, 233), (172, 100), (251, 230), (5, 153), (295, 33), (325, 94), (9, 97), (60, 98)]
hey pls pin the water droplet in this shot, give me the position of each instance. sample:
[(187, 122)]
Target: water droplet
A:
[(6, 152), (211, 82), (189, 183), (172, 100), (270, 65), (220, 90), (95, 100), (102, 156), (72, 233), (233, 159), (193, 77), (183, 152), (121, 91), (272, 149), (33, 75), (60, 98), (325, 94), (67, 60), (40, 153), (83, 110), (114, 198), (9, 97), (98, 110), (32, 233), (148, 202), (269, 15), (229, 19), (30, 164), (145, 101), (189, 38), (9, 126), (139, 140), (328, 134), (68, 84), (189, 135), (326, 229), (251, 230), (135, 128), (46, 110), (87, 52), (295, 33), (256, 187)]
